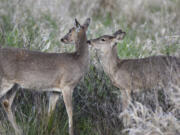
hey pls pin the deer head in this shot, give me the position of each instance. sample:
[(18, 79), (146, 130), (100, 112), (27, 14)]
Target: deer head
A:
[(74, 33), (106, 41)]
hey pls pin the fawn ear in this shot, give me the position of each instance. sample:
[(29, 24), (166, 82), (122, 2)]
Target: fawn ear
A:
[(77, 24), (119, 35), (86, 23)]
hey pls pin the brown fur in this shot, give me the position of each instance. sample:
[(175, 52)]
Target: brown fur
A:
[(58, 72), (135, 74)]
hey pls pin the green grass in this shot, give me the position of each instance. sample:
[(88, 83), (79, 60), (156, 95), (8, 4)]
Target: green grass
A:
[(171, 49)]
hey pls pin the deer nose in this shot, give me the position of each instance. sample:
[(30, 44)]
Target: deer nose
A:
[(89, 42), (62, 39)]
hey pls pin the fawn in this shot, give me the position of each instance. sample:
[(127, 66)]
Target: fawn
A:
[(135, 74)]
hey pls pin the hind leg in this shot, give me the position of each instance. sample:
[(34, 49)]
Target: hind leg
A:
[(52, 102), (158, 108), (7, 103)]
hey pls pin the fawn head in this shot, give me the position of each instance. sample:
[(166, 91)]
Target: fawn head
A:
[(74, 33), (106, 41)]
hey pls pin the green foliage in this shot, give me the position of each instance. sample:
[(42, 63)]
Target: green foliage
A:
[(28, 34), (107, 20), (128, 49)]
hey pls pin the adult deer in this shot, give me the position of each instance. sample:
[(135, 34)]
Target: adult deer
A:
[(55, 72), (132, 74)]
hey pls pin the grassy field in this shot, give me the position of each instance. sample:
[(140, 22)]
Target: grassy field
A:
[(152, 27)]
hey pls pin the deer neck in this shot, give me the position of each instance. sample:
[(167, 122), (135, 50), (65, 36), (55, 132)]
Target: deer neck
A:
[(109, 60), (82, 52)]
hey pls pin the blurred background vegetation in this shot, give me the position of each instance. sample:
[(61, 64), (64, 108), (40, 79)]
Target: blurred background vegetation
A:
[(152, 27)]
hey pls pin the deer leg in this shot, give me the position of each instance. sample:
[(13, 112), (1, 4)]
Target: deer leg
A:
[(7, 103), (126, 98), (52, 102), (67, 96), (156, 100)]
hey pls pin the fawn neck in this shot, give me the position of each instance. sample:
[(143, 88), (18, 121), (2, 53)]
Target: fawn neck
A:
[(109, 60)]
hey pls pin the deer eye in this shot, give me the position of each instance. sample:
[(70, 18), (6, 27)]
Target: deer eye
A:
[(102, 39)]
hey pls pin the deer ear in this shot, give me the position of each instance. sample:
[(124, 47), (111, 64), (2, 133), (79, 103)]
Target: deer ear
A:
[(119, 35), (86, 23), (77, 24)]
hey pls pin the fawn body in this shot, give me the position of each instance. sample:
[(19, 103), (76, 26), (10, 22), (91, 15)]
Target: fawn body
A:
[(135, 74), (56, 72)]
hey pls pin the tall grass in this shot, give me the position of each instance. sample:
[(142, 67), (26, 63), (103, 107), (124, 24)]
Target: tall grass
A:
[(152, 28)]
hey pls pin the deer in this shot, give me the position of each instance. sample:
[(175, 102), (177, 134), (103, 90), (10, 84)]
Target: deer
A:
[(134, 75), (50, 72)]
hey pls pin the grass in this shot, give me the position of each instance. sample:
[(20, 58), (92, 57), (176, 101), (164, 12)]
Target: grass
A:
[(151, 29)]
